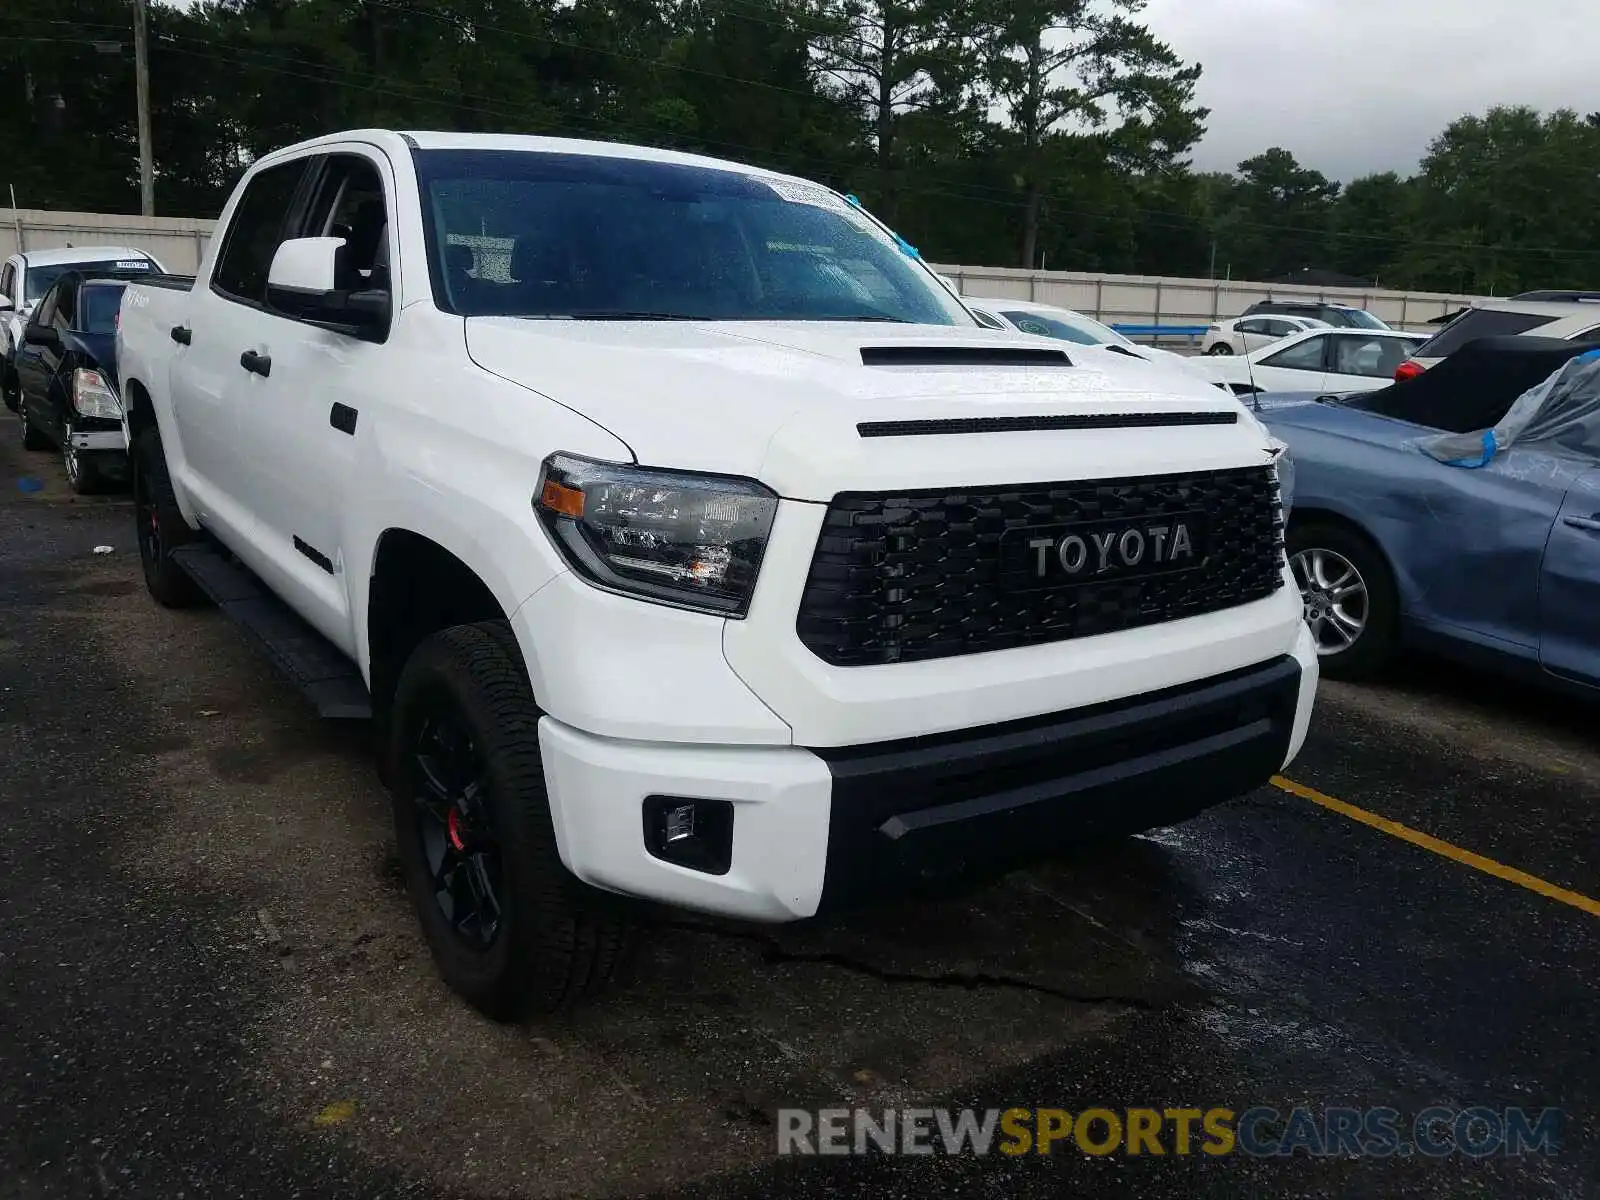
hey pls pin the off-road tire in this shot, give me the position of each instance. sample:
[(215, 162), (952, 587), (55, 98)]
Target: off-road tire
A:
[(560, 942)]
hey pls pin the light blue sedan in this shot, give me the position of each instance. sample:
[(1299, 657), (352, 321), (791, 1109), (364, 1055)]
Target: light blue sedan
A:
[(1495, 558)]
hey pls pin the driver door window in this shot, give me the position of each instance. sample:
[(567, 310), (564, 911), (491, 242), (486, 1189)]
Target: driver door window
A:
[(1302, 356)]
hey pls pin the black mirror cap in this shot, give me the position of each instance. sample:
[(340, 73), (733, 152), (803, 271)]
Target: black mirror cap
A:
[(41, 335), (364, 313)]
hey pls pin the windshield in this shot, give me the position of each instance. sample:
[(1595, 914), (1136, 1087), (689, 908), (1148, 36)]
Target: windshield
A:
[(1081, 330), (531, 234), (40, 278), (1360, 318)]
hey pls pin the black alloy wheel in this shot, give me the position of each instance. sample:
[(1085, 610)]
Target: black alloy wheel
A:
[(449, 788)]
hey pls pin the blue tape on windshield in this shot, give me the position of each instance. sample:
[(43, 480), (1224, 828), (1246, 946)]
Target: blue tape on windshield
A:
[(1588, 355), (1489, 448), (906, 247)]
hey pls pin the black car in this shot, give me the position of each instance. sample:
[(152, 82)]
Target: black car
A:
[(67, 379)]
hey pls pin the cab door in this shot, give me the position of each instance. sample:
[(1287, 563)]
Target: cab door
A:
[(37, 364), (208, 384), (1569, 586), (305, 399)]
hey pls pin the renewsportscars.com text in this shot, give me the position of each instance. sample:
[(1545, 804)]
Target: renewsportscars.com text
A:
[(1261, 1132)]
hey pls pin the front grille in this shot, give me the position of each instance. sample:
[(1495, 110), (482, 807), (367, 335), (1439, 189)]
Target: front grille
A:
[(908, 576)]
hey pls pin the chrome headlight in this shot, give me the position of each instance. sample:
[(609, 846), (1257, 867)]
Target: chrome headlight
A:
[(92, 396), (693, 541)]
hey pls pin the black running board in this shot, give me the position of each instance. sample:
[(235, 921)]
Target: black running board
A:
[(329, 680)]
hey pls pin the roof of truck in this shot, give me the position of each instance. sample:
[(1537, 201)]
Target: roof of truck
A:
[(435, 140), (81, 254)]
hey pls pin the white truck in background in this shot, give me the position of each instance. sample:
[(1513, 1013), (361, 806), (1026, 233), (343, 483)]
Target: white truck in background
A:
[(689, 543)]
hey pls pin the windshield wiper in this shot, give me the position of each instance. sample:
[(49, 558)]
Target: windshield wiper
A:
[(614, 314)]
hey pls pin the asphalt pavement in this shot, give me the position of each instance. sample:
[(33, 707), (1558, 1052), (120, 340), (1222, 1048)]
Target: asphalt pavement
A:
[(211, 984)]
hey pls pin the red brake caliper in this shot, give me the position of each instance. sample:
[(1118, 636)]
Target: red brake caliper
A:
[(453, 827)]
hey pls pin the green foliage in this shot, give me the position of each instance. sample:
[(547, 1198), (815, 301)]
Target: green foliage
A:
[(988, 131)]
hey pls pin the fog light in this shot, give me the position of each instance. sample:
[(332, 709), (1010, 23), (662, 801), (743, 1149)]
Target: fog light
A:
[(697, 834)]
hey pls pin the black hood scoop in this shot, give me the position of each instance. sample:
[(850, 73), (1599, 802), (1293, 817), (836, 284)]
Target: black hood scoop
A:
[(962, 356)]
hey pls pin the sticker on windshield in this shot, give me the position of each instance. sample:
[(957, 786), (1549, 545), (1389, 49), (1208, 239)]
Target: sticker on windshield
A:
[(140, 265), (805, 193)]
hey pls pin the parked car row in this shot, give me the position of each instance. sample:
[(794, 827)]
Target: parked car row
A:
[(59, 368)]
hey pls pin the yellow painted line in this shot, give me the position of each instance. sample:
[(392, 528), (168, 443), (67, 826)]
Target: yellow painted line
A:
[(1445, 849)]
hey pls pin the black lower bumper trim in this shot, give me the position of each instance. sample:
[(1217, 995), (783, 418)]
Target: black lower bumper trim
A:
[(920, 810)]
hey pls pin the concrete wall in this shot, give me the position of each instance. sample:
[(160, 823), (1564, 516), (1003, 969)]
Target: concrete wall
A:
[(1155, 300), (177, 241)]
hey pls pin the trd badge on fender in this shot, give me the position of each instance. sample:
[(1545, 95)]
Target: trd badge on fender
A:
[(1099, 550)]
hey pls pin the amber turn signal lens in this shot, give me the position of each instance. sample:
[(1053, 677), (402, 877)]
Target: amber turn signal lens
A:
[(559, 498)]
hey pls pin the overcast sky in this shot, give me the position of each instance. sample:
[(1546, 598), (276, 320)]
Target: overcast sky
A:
[(1356, 86)]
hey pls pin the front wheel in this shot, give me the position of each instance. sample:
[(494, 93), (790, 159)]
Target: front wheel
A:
[(510, 929), (1220, 350), (83, 472), (1349, 596), (32, 439)]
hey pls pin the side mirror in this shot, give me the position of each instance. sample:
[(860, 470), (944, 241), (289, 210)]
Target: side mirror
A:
[(41, 335), (304, 279)]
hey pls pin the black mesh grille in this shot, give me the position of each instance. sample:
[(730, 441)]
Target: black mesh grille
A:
[(928, 574)]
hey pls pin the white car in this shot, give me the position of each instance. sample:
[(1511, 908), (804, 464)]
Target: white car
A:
[(27, 276), (1244, 334), (1048, 320), (1319, 360), (708, 553)]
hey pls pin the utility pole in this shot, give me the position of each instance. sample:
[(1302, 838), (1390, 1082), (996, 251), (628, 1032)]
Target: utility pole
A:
[(141, 73)]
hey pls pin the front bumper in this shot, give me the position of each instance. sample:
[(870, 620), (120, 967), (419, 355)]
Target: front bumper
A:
[(99, 439), (820, 828)]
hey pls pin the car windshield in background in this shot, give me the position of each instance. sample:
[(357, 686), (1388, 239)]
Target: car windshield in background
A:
[(1478, 323), (97, 307), (1360, 318), (523, 233), (1043, 326), (40, 278)]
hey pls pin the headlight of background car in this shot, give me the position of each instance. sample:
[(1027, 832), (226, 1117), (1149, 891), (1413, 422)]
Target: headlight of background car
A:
[(694, 541), (92, 395), (1284, 462)]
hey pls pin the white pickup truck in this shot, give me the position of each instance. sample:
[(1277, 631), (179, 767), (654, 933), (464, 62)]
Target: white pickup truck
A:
[(688, 542)]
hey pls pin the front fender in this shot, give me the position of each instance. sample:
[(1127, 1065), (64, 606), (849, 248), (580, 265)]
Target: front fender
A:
[(463, 475)]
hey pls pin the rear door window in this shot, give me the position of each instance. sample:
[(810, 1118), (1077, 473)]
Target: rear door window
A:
[(1478, 323)]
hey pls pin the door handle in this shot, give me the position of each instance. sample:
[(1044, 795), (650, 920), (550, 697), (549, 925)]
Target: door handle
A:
[(259, 364), (1592, 524), (181, 335)]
